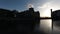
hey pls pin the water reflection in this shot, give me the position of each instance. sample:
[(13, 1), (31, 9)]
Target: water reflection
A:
[(45, 25), (56, 27)]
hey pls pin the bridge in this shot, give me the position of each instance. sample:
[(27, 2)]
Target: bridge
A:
[(45, 18)]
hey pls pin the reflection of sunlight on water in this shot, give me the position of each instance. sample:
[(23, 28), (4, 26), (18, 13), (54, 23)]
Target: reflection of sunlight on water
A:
[(45, 25), (56, 29)]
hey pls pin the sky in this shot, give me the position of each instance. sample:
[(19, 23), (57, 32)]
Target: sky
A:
[(43, 6)]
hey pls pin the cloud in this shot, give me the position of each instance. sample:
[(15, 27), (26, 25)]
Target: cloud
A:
[(45, 8), (46, 5), (50, 5)]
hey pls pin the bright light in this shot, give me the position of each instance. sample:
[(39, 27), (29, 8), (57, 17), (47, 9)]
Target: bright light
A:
[(46, 13), (46, 25), (45, 9)]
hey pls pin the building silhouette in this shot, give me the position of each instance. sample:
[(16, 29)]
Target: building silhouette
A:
[(56, 15), (23, 21)]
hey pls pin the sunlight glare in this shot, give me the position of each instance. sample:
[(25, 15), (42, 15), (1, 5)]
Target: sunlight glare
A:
[(46, 25)]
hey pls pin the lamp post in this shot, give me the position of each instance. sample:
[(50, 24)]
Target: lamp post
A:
[(52, 20)]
